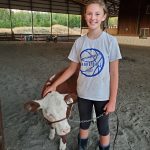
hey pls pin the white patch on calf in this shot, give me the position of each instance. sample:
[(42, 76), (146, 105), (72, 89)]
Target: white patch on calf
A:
[(52, 77), (54, 108), (55, 105), (49, 80)]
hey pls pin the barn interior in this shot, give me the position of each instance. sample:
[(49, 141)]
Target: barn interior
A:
[(28, 59), (132, 26)]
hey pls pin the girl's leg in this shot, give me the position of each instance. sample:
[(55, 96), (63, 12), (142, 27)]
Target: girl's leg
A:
[(104, 141), (85, 112), (83, 133), (102, 124)]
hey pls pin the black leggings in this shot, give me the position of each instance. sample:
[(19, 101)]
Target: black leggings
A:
[(85, 111)]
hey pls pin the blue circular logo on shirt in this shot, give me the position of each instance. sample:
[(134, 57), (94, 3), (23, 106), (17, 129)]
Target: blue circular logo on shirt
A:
[(92, 62)]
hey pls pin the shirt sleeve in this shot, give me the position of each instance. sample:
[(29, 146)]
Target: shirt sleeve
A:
[(114, 50), (73, 55)]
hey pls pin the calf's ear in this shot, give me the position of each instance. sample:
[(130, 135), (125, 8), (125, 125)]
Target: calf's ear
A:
[(31, 106), (70, 98)]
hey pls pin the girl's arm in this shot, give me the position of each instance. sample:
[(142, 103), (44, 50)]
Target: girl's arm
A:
[(66, 75), (114, 75)]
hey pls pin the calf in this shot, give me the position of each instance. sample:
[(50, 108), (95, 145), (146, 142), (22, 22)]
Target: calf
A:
[(56, 106)]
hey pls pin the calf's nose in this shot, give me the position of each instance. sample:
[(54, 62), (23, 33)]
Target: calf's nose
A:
[(66, 130)]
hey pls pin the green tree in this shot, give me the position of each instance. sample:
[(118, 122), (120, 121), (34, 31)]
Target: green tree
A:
[(41, 19), (74, 21), (21, 19), (61, 19), (113, 21), (4, 18), (24, 18)]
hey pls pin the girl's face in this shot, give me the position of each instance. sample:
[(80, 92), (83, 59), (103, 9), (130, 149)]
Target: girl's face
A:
[(94, 15)]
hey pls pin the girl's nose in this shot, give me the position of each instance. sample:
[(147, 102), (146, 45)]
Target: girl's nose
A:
[(92, 16)]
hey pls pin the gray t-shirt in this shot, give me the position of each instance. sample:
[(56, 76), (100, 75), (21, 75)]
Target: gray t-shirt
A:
[(94, 56)]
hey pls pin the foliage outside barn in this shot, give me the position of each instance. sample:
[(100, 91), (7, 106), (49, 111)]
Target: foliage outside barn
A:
[(43, 23)]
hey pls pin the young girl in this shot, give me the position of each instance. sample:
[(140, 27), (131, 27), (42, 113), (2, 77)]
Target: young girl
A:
[(97, 54)]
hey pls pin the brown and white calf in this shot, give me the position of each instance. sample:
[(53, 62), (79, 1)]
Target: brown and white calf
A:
[(56, 106)]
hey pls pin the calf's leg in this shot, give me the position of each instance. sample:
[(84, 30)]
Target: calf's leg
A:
[(62, 145), (52, 133)]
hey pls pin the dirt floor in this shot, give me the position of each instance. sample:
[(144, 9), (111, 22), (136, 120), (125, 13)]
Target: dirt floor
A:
[(24, 68)]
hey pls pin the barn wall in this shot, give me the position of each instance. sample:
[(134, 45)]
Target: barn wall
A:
[(145, 15), (133, 15)]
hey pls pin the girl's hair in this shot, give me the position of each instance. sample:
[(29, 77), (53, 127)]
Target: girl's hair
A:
[(102, 4)]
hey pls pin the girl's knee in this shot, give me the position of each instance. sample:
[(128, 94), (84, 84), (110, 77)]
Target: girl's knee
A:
[(104, 140), (84, 133)]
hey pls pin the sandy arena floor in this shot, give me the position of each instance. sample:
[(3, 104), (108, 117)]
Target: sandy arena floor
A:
[(24, 68)]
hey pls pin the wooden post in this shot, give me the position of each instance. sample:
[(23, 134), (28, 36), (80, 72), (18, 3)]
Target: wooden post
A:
[(1, 131)]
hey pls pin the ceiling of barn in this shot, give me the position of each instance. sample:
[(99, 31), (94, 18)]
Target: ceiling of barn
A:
[(57, 6)]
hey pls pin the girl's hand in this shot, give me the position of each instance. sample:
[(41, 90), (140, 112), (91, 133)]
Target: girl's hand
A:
[(109, 107), (49, 89)]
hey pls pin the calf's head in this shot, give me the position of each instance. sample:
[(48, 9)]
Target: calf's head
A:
[(54, 109)]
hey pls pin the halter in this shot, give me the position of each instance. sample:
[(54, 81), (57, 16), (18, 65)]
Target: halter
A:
[(51, 122)]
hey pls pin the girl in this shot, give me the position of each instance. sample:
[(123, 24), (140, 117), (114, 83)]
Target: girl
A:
[(96, 54)]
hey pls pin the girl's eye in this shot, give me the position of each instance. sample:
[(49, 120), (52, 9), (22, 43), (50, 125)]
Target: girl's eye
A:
[(97, 14), (89, 14)]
